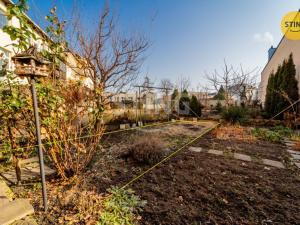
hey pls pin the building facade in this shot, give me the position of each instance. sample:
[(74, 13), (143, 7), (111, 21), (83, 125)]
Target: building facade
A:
[(70, 69), (276, 57)]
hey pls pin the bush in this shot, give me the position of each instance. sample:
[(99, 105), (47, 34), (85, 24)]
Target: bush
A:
[(267, 135), (219, 107), (195, 107), (148, 149), (283, 131), (121, 208), (234, 114), (67, 112)]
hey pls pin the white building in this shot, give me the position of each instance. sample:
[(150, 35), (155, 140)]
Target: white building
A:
[(276, 57), (72, 66)]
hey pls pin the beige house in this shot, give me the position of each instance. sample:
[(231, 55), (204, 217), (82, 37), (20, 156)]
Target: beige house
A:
[(276, 57), (71, 68)]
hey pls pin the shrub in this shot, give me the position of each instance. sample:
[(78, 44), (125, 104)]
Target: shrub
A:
[(121, 208), (148, 149), (195, 107), (267, 135), (234, 114), (219, 107), (184, 100), (67, 112), (283, 131)]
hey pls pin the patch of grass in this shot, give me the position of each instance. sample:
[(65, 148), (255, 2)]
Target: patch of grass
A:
[(121, 208)]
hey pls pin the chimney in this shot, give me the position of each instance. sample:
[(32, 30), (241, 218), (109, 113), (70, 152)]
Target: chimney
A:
[(271, 52)]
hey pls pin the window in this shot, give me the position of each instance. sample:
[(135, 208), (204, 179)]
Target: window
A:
[(3, 20)]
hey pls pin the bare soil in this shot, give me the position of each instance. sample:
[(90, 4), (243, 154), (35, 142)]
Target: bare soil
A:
[(199, 188), (255, 148), (191, 188)]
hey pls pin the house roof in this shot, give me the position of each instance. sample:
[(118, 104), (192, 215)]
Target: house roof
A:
[(35, 26)]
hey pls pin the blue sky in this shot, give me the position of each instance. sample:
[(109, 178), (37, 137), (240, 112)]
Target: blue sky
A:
[(189, 37)]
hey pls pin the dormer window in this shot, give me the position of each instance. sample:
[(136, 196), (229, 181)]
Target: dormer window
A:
[(3, 20)]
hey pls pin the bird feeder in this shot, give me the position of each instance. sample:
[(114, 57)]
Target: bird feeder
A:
[(31, 63)]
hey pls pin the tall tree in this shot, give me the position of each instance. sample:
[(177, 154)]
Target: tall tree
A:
[(221, 94), (282, 89), (184, 99), (195, 107), (174, 97)]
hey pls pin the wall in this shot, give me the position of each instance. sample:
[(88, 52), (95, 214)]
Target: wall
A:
[(40, 43), (284, 49)]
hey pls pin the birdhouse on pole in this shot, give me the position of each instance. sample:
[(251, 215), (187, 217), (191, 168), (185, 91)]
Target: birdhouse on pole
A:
[(31, 63)]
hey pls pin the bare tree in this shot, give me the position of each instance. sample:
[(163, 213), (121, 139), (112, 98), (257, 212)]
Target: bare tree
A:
[(167, 85), (235, 81), (110, 60), (183, 83)]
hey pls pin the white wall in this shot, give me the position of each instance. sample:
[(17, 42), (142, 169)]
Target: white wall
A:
[(284, 49), (40, 43)]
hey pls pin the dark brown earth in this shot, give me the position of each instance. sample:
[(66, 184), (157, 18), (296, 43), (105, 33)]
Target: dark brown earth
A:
[(255, 148), (199, 188)]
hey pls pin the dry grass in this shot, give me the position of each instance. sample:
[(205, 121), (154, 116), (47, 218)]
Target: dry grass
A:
[(148, 149), (234, 132), (71, 203)]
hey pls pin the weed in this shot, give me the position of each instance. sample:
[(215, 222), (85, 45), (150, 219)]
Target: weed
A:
[(267, 135), (121, 208)]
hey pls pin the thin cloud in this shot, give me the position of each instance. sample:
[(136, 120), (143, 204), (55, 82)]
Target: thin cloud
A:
[(266, 37)]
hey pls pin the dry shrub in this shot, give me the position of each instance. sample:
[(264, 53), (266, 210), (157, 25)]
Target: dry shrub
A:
[(233, 132), (73, 204), (148, 149), (71, 120)]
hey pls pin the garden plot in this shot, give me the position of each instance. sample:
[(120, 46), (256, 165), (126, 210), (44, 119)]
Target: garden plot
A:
[(193, 187), (113, 165), (200, 187)]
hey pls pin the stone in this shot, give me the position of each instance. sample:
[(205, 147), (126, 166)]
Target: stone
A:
[(297, 164), (5, 191), (296, 157), (122, 126), (127, 126), (242, 157), (195, 119), (289, 144), (215, 152), (133, 125), (14, 211), (172, 120), (28, 172), (30, 160), (195, 149), (273, 163), (140, 123), (181, 118), (294, 152)]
